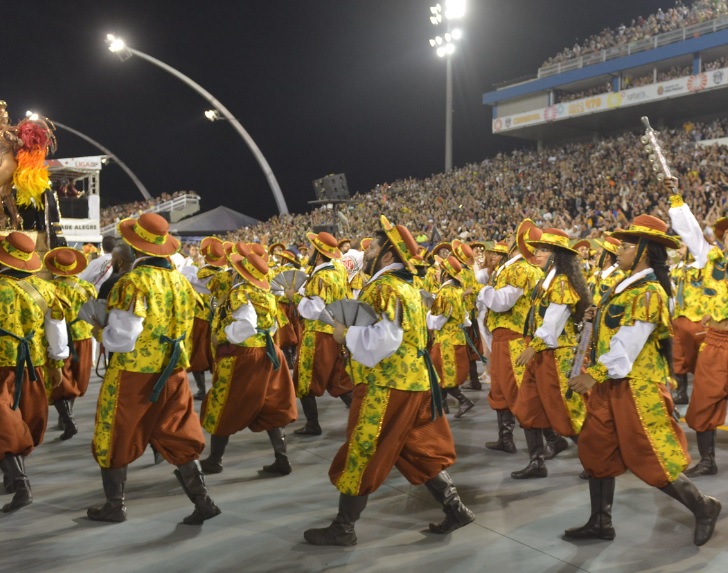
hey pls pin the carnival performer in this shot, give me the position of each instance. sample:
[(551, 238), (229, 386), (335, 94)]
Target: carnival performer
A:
[(65, 264), (544, 404), (689, 332), (629, 423), (707, 408), (145, 395), (448, 318), (215, 260), (583, 248), (607, 272), (288, 336), (251, 387), (394, 419), (507, 302), (320, 363), (32, 332)]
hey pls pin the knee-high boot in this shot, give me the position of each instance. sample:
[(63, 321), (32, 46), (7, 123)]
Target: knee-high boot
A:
[(310, 410), (200, 381), (114, 510), (192, 480), (457, 515), (347, 398), (536, 468), (445, 407), (13, 467), (706, 446), (63, 407), (212, 464), (555, 444), (680, 395), (281, 465), (464, 403), (341, 531), (599, 526), (506, 423), (704, 507), (474, 382)]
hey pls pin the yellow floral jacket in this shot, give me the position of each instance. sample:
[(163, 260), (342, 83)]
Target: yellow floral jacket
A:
[(329, 284), (688, 292), (393, 297), (75, 292), (265, 306), (165, 299), (449, 302), (523, 275)]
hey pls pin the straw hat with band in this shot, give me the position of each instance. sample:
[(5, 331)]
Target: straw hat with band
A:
[(478, 245), (256, 248), (526, 230), (399, 237), (365, 242), (643, 229), (553, 238), (436, 248), (65, 261), (501, 247), (272, 247), (290, 257), (252, 268), (229, 248), (418, 261), (17, 251), (463, 252), (720, 227), (610, 244), (325, 243), (450, 265), (581, 243), (342, 242), (213, 252), (149, 234)]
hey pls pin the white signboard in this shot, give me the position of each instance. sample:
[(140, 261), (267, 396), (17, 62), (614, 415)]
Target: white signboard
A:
[(81, 230)]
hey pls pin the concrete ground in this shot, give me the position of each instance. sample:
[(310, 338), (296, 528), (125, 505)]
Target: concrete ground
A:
[(518, 528)]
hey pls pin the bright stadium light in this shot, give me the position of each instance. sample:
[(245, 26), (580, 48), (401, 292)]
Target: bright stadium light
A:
[(213, 115), (445, 47), (119, 47)]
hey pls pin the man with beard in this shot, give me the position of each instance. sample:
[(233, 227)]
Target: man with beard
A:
[(395, 417)]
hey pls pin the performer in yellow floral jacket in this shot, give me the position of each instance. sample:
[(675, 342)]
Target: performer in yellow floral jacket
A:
[(629, 423), (394, 418), (145, 396)]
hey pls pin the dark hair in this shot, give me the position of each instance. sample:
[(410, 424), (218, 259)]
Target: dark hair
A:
[(657, 258), (567, 263), (384, 242)]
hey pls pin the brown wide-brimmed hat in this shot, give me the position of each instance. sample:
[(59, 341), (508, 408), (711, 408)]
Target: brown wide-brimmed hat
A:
[(275, 246), (365, 242), (526, 232), (719, 227), (17, 251), (451, 265), (149, 234), (252, 268), (213, 251), (609, 244), (463, 252), (289, 257), (553, 237), (325, 243), (501, 247), (439, 246), (581, 243), (402, 241), (65, 261), (650, 228), (342, 242)]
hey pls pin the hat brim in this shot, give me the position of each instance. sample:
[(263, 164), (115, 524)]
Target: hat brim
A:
[(552, 246), (81, 262), (169, 247), (657, 237), (325, 250), (32, 265), (237, 262), (523, 248)]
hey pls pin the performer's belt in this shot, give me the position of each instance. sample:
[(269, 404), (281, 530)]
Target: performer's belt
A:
[(22, 362), (171, 365), (270, 348), (434, 384)]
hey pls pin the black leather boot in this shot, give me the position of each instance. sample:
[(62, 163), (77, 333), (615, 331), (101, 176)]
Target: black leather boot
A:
[(464, 404), (281, 465), (12, 467), (63, 407), (706, 446), (704, 507), (599, 526), (445, 407), (555, 444), (506, 423), (347, 399), (680, 396), (310, 410), (114, 509), (200, 381), (290, 353), (474, 382), (457, 515), (192, 480), (536, 468), (212, 464), (341, 530)]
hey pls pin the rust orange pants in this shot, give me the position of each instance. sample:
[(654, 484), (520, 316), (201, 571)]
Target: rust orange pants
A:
[(707, 407)]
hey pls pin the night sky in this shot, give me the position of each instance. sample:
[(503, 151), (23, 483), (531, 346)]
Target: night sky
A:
[(322, 86)]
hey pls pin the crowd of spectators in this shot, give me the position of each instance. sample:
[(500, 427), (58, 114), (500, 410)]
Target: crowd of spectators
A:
[(640, 28), (116, 213)]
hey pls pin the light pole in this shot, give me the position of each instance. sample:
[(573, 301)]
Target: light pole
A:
[(445, 48), (142, 189), (117, 46)]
